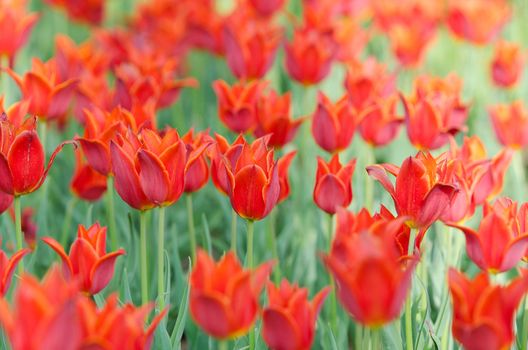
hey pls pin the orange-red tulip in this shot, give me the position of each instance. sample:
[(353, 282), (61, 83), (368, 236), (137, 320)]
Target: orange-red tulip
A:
[(483, 313), (7, 268), (333, 125), (510, 123), (418, 194), (501, 241), (477, 21), (379, 124), (218, 166), (409, 41), (224, 298), (22, 157), (197, 172), (274, 117), (86, 183), (288, 322), (91, 11), (15, 25), (371, 274), (237, 104), (507, 64), (88, 260), (309, 56), (333, 188)]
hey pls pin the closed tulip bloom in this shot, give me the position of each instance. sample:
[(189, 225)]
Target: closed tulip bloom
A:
[(372, 276), (510, 123), (288, 322), (379, 123), (237, 104), (483, 313), (88, 260), (333, 125), (7, 268), (253, 180), (418, 194), (333, 184), (22, 157), (507, 64), (500, 241), (16, 24), (477, 21), (223, 296), (86, 183), (309, 56), (197, 172), (274, 117), (231, 152)]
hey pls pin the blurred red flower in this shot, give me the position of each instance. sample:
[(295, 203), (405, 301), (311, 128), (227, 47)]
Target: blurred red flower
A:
[(16, 24), (507, 64), (510, 122)]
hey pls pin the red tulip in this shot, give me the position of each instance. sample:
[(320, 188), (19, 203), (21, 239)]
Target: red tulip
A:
[(477, 21), (7, 268), (91, 12), (49, 98), (274, 117), (418, 194), (15, 25), (333, 187), (237, 104), (88, 260), (333, 125), (409, 41), (266, 8), (250, 51), (507, 64), (491, 183), (510, 123), (22, 157), (218, 167), (288, 322), (197, 173), (253, 180), (309, 56), (483, 314), (87, 183), (224, 297), (371, 275), (499, 244), (379, 124)]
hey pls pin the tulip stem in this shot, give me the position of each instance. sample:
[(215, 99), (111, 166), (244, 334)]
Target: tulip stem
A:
[(18, 231), (272, 242), (375, 335), (161, 258), (67, 221), (192, 232), (111, 212), (222, 345), (408, 305), (143, 255), (234, 219), (333, 298), (249, 262)]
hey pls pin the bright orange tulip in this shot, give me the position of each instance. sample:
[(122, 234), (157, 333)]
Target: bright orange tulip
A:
[(88, 260), (507, 64), (224, 298), (483, 314), (288, 322)]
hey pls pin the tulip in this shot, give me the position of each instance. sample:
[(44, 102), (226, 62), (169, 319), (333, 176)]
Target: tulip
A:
[(507, 64), (267, 8), (309, 56), (274, 117), (288, 322), (491, 183), (372, 279), (501, 241), (91, 12), (477, 21), (333, 187), (237, 104), (333, 125), (218, 166), (409, 41), (7, 268), (510, 123), (379, 124), (87, 183), (483, 314), (197, 173), (88, 260), (16, 25), (418, 194), (223, 296)]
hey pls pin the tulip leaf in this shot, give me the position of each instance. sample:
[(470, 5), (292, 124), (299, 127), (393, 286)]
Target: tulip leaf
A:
[(207, 235), (179, 325)]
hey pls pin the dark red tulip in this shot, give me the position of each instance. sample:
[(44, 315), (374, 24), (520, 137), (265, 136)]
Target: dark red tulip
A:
[(86, 183)]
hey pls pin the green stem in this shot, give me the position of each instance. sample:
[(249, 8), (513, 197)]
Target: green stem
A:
[(222, 345), (366, 338), (375, 339), (333, 298), (110, 207), (192, 232), (143, 256), (161, 258), (369, 189), (358, 336), (519, 172), (234, 219), (272, 243), (67, 221), (408, 305), (249, 262), (18, 231)]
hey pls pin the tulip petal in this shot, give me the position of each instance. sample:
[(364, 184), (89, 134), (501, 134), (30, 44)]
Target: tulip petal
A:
[(66, 321), (61, 98), (377, 172), (473, 246), (436, 201), (246, 197), (212, 314), (330, 193), (26, 161), (153, 177), (67, 265), (52, 160), (10, 269), (514, 252), (83, 258), (38, 91), (319, 299), (103, 271), (279, 330), (174, 159), (325, 128), (5, 201), (97, 155), (6, 179)]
